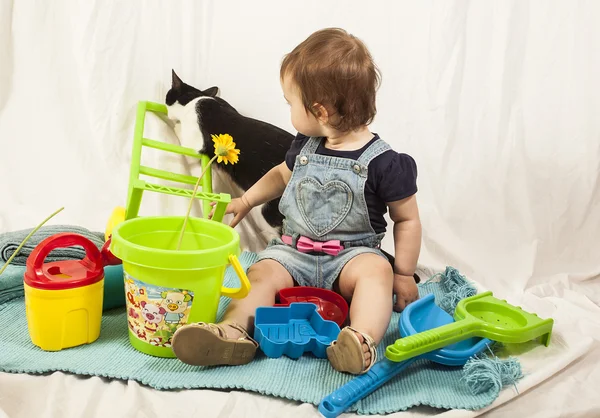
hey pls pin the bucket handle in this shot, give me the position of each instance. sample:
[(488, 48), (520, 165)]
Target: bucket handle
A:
[(242, 291), (92, 260)]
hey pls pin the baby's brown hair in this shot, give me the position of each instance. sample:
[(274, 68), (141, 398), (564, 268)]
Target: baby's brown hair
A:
[(335, 69)]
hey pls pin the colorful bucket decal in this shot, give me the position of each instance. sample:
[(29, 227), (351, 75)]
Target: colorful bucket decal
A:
[(153, 312)]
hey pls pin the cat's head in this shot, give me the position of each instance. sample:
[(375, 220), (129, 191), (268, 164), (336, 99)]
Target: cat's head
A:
[(181, 94)]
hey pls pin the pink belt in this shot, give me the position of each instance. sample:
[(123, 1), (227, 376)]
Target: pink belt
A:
[(306, 245)]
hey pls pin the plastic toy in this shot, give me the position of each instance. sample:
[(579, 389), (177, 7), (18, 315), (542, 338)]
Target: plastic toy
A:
[(117, 216), (166, 288), (107, 257), (293, 331), (138, 185), (330, 305), (114, 293), (419, 316), (481, 315), (63, 299)]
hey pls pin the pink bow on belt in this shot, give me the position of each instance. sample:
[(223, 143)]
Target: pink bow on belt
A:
[(307, 245)]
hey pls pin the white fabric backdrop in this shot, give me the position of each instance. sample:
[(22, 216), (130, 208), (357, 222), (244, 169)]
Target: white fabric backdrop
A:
[(497, 101)]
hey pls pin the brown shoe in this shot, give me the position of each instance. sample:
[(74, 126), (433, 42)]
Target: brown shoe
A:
[(203, 344), (346, 353)]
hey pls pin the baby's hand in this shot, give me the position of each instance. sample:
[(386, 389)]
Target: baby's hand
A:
[(406, 291), (238, 207)]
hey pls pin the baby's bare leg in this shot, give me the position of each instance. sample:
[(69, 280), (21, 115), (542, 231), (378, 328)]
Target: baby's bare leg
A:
[(367, 280), (209, 345), (267, 278)]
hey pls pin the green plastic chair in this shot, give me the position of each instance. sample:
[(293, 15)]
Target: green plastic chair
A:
[(137, 186)]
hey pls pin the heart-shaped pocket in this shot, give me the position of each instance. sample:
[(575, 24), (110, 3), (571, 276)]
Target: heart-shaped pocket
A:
[(323, 206)]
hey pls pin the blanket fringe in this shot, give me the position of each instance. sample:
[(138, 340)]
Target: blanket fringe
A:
[(456, 287), (483, 373)]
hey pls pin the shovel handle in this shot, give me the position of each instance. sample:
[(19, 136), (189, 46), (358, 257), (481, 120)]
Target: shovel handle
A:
[(360, 387), (427, 341)]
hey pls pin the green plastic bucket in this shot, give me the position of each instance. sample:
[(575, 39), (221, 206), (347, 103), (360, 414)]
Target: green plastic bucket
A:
[(166, 288)]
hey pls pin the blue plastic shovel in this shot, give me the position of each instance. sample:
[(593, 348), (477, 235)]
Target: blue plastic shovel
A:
[(419, 316)]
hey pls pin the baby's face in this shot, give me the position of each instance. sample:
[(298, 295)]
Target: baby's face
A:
[(304, 121)]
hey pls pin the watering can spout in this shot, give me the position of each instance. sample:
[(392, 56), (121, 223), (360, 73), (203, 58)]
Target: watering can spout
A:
[(108, 258)]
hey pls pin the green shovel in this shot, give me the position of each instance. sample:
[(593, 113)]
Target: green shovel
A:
[(481, 315)]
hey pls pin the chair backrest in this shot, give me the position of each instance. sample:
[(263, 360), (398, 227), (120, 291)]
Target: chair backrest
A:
[(137, 168)]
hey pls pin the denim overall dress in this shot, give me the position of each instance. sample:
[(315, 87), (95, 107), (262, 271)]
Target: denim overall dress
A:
[(325, 209)]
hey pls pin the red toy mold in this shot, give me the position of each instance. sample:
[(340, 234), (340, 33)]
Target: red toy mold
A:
[(330, 305)]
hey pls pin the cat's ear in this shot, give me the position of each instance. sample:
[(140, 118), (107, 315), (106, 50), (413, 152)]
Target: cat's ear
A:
[(176, 83), (212, 92)]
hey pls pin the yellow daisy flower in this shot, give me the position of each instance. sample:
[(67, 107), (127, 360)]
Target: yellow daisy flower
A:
[(225, 149)]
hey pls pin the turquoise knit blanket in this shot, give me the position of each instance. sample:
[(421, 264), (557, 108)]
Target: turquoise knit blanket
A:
[(307, 379)]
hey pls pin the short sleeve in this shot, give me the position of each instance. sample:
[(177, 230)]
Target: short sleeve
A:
[(295, 148), (397, 176)]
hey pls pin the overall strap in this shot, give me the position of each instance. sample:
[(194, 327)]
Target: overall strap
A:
[(311, 145), (375, 149)]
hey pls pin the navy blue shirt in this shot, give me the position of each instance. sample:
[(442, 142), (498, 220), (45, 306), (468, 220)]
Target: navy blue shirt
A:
[(392, 176)]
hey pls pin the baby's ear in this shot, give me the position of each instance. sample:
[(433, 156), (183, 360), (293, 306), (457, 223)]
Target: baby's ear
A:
[(320, 113), (176, 82), (212, 92)]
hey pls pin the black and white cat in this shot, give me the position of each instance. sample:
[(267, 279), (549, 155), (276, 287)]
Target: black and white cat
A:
[(198, 114)]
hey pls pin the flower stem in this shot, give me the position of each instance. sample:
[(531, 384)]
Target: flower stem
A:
[(187, 215), (27, 239)]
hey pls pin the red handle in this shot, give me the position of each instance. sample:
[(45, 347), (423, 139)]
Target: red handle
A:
[(92, 260)]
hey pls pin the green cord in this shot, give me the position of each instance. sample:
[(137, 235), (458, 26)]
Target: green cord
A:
[(187, 215), (27, 239)]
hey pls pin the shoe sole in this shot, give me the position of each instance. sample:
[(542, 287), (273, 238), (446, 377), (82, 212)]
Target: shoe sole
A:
[(347, 355), (199, 346)]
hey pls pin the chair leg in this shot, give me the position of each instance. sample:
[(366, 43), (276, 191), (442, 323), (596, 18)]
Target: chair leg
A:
[(133, 206), (219, 211)]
